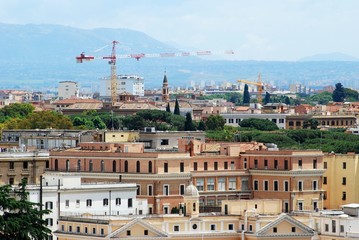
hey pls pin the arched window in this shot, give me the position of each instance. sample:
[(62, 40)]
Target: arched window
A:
[(56, 165), (194, 207), (102, 165), (90, 166), (126, 166), (150, 166), (67, 165), (78, 165), (138, 166), (245, 163), (114, 166)]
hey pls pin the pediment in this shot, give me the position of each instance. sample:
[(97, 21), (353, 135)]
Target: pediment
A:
[(285, 225)]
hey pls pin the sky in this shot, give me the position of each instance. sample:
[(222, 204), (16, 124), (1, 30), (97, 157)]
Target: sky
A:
[(255, 29)]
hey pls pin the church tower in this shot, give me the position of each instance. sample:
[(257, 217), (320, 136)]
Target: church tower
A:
[(165, 94)]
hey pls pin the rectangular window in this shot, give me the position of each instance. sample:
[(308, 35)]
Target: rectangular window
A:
[(225, 165), (232, 183), (145, 232), (286, 166), (275, 186), (93, 230), (176, 228), (25, 165), (210, 184), (232, 165), (164, 142), (255, 163), (265, 163), (86, 230), (324, 180), (326, 227), (255, 185), (102, 231), (315, 185), (205, 166), (286, 186), (344, 181), (149, 190), (325, 165), (118, 201), (67, 203), (70, 228), (182, 189), (221, 184), (128, 232), (129, 202), (215, 166), (275, 164), (274, 229), (334, 226), (166, 189), (213, 227), (315, 164), (266, 185), (181, 167), (344, 195), (200, 184), (105, 201), (77, 203), (344, 165), (78, 229), (11, 165), (88, 203), (300, 185), (300, 164), (341, 228), (230, 226), (293, 229), (195, 166), (165, 167)]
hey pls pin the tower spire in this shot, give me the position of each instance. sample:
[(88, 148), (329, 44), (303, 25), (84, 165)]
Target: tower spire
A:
[(165, 93)]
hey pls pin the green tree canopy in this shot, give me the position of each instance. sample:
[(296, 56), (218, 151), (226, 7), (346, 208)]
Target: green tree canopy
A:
[(267, 98), (16, 110), (177, 109), (321, 98), (20, 218), (351, 95), (259, 124), (215, 122), (338, 93)]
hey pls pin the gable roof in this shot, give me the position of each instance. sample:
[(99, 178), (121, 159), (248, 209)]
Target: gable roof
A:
[(141, 222), (307, 231)]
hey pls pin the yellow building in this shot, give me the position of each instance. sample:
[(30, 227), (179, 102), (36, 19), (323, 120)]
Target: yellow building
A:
[(121, 136), (341, 180)]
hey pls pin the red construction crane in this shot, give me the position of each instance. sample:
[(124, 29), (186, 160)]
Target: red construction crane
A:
[(112, 61)]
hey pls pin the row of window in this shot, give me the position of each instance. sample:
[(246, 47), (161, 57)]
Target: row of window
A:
[(334, 227), (265, 187), (166, 189), (215, 166), (105, 202), (85, 230), (221, 184), (344, 165), (344, 180), (238, 120)]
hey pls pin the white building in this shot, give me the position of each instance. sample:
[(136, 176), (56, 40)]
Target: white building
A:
[(233, 119), (132, 84), (65, 195), (68, 90)]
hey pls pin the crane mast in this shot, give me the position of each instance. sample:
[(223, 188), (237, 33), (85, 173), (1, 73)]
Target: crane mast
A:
[(259, 85), (112, 62)]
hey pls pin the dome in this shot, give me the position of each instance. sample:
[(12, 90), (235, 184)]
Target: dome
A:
[(191, 191)]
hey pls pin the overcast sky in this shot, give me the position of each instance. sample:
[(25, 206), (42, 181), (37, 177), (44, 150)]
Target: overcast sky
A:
[(255, 29)]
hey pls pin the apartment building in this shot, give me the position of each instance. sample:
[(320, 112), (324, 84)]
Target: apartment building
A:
[(341, 179), (14, 166), (294, 176), (64, 195), (233, 119)]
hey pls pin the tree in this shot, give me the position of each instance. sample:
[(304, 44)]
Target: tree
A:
[(177, 109), (266, 98), (338, 93), (188, 124), (20, 218), (16, 110), (311, 123), (351, 95), (168, 109), (287, 100), (215, 122), (259, 124), (202, 126), (246, 96)]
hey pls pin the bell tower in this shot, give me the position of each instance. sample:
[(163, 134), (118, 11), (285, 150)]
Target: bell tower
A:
[(165, 93)]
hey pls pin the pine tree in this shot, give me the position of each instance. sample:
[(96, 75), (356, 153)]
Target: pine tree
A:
[(188, 125), (177, 109), (168, 109), (338, 93), (246, 96), (20, 218)]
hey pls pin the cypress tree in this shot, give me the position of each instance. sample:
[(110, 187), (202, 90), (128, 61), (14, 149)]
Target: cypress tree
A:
[(338, 93), (267, 98), (177, 109), (188, 125), (168, 109), (246, 96)]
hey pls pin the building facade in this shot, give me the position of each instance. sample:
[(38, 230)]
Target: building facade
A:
[(68, 90)]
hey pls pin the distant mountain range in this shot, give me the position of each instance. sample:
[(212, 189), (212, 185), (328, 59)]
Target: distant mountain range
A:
[(37, 57), (330, 57)]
